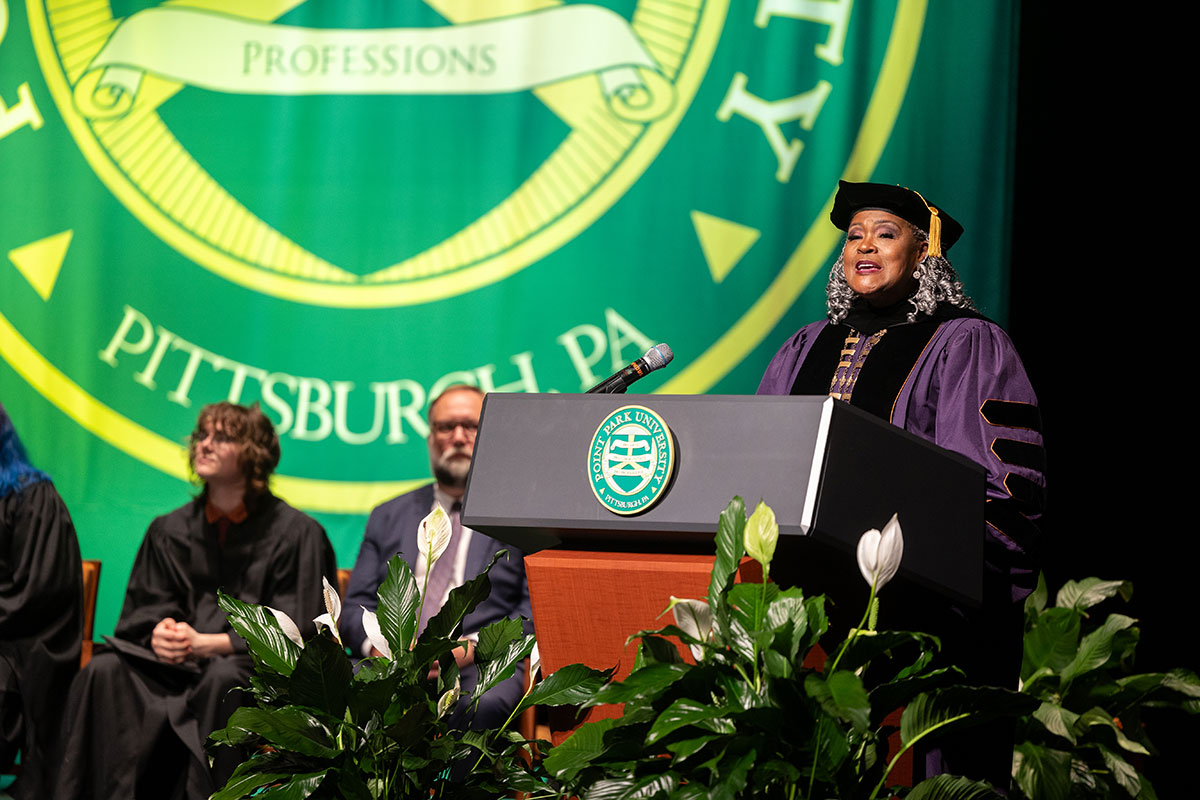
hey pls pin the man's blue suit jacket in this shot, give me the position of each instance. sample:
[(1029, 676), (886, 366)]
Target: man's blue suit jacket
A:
[(392, 529)]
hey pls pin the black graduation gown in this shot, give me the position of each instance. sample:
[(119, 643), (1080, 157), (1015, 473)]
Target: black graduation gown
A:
[(41, 627), (137, 726)]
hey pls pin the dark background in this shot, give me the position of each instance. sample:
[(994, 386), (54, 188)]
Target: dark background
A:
[(1101, 281)]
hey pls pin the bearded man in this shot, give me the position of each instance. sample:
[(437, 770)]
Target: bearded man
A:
[(392, 529)]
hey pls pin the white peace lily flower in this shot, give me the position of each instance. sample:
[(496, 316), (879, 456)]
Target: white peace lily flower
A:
[(446, 701), (762, 533), (289, 626), (694, 617), (535, 661), (328, 622), (333, 611), (434, 534), (879, 554), (370, 624), (333, 602)]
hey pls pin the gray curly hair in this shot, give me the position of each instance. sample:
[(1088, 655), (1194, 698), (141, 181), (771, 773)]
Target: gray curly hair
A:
[(937, 282)]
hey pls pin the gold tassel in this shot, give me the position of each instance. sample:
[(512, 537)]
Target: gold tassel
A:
[(935, 233), (935, 228)]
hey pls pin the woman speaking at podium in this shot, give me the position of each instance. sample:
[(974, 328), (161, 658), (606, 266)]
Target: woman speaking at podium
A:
[(903, 341)]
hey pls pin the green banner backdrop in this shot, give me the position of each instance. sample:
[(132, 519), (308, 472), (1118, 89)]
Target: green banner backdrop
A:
[(337, 208)]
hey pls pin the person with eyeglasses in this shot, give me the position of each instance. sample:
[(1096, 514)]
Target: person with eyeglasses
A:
[(392, 528), (139, 714)]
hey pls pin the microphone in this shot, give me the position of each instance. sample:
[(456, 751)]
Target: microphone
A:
[(656, 357)]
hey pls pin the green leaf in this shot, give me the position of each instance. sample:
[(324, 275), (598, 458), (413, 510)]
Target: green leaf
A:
[(287, 728), (501, 666), (736, 637), (690, 791), (566, 686), (495, 638), (888, 697), (787, 616), (958, 707), (1098, 717), (609, 789), (730, 546), (818, 622), (778, 665), (1177, 680), (841, 695), (652, 786), (579, 750), (738, 693), (772, 773), (1041, 772), (262, 633), (461, 601), (753, 600), (298, 788), (516, 778), (399, 600), (1036, 602), (372, 688), (863, 649), (1051, 642), (474, 740), (1032, 687), (1058, 720), (240, 786), (657, 650), (648, 682), (835, 748), (350, 786), (689, 747), (1082, 595), (1096, 648), (322, 677), (952, 787), (371, 670), (267, 686), (733, 776), (684, 712), (1124, 773), (1124, 644)]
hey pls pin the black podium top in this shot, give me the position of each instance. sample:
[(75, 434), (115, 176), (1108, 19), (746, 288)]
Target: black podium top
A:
[(828, 470)]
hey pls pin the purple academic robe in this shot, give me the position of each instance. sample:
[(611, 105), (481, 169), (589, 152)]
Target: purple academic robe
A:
[(968, 392)]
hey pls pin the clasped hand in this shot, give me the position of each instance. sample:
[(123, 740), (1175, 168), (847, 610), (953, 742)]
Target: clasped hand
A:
[(176, 642)]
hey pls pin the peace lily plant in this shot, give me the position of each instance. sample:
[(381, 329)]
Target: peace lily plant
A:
[(1087, 738), (748, 718), (320, 728)]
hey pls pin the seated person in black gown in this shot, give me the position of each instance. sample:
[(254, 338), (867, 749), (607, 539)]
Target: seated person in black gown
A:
[(41, 613), (138, 716)]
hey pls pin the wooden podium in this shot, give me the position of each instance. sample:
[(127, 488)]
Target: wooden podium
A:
[(828, 470)]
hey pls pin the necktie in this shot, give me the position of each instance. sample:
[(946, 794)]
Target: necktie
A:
[(441, 573)]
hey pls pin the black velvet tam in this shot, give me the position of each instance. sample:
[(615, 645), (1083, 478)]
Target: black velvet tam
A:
[(904, 203)]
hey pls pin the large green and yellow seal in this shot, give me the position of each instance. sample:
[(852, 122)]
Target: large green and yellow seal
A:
[(336, 209)]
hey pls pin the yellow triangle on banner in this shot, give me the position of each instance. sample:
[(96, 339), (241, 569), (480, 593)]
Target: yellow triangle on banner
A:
[(40, 261), (724, 242)]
